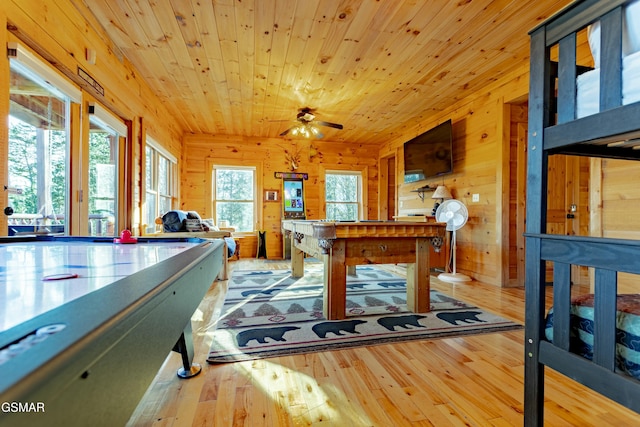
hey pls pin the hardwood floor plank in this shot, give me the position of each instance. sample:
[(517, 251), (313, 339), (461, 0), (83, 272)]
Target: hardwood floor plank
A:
[(393, 412), (204, 414), (346, 392), (450, 415), (475, 380), (281, 415)]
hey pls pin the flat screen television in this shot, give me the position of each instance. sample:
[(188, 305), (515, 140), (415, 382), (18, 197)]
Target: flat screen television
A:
[(430, 154)]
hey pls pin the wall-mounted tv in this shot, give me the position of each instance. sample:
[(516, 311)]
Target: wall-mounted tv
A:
[(430, 154)]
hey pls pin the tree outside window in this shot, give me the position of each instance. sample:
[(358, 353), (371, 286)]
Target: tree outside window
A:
[(234, 197), (103, 179), (160, 184), (343, 195), (37, 157)]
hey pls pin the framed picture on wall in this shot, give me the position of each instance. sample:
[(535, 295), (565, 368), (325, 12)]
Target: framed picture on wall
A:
[(271, 195)]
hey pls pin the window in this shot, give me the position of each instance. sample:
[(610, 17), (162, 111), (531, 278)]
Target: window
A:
[(343, 195), (160, 183), (104, 140), (234, 191), (39, 144)]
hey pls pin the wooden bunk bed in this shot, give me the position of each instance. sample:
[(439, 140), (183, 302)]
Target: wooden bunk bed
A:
[(559, 125)]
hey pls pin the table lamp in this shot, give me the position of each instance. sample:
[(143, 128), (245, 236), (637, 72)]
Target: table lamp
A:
[(441, 193)]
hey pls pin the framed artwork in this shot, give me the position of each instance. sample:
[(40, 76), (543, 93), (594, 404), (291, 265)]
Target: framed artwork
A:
[(271, 195)]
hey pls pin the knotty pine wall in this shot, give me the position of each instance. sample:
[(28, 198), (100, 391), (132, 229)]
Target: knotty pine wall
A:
[(481, 128), (615, 212), (59, 33), (275, 155), (486, 128)]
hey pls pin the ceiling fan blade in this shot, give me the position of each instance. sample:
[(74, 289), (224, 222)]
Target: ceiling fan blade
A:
[(286, 131), (328, 124)]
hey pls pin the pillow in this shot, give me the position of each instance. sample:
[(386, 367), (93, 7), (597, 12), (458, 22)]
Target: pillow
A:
[(631, 28), (193, 224), (208, 224), (593, 34), (630, 33), (174, 221), (193, 215)]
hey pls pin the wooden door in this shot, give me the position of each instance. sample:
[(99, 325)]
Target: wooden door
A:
[(559, 194), (568, 199), (567, 205), (387, 188)]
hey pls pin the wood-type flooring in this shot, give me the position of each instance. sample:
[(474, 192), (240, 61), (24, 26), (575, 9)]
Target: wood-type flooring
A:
[(474, 380)]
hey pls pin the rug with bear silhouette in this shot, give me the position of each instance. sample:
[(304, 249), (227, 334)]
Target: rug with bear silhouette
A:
[(269, 313)]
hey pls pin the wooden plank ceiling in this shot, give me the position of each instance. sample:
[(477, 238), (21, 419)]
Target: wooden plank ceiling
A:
[(380, 68)]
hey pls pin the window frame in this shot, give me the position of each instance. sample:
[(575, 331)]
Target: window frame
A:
[(23, 60), (212, 165), (157, 153), (361, 171), (112, 124)]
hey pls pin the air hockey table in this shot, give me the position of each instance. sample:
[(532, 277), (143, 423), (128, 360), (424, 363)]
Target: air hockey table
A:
[(86, 323)]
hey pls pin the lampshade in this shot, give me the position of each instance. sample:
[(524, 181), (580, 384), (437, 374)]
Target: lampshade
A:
[(442, 193)]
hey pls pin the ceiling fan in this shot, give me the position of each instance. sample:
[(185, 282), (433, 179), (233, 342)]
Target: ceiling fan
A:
[(308, 125)]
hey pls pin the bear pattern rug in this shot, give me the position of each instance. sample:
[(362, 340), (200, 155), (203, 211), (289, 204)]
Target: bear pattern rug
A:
[(269, 313)]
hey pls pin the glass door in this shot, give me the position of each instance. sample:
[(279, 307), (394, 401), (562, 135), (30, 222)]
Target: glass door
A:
[(38, 154), (104, 142)]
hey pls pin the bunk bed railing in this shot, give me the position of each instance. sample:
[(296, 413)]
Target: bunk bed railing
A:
[(601, 130), (600, 252), (608, 257), (562, 128), (591, 375), (575, 16)]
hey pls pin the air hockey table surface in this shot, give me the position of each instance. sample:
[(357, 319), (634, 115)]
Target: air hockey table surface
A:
[(38, 276), (86, 323)]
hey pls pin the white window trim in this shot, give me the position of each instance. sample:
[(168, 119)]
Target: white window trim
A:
[(45, 74), (109, 119), (154, 146), (212, 163), (160, 149), (45, 71), (337, 169)]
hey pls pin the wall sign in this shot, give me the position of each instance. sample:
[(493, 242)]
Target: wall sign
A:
[(291, 175)]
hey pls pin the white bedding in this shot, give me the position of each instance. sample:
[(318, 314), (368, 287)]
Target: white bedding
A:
[(588, 84)]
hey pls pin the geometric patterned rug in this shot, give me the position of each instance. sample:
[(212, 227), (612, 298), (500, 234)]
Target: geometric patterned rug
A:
[(269, 313)]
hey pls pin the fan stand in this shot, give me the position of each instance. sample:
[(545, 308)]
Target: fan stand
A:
[(454, 277)]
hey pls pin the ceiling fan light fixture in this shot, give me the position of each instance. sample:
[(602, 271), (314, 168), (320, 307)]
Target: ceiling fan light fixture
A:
[(307, 126)]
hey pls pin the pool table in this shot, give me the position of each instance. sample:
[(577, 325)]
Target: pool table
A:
[(343, 245), (86, 323)]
